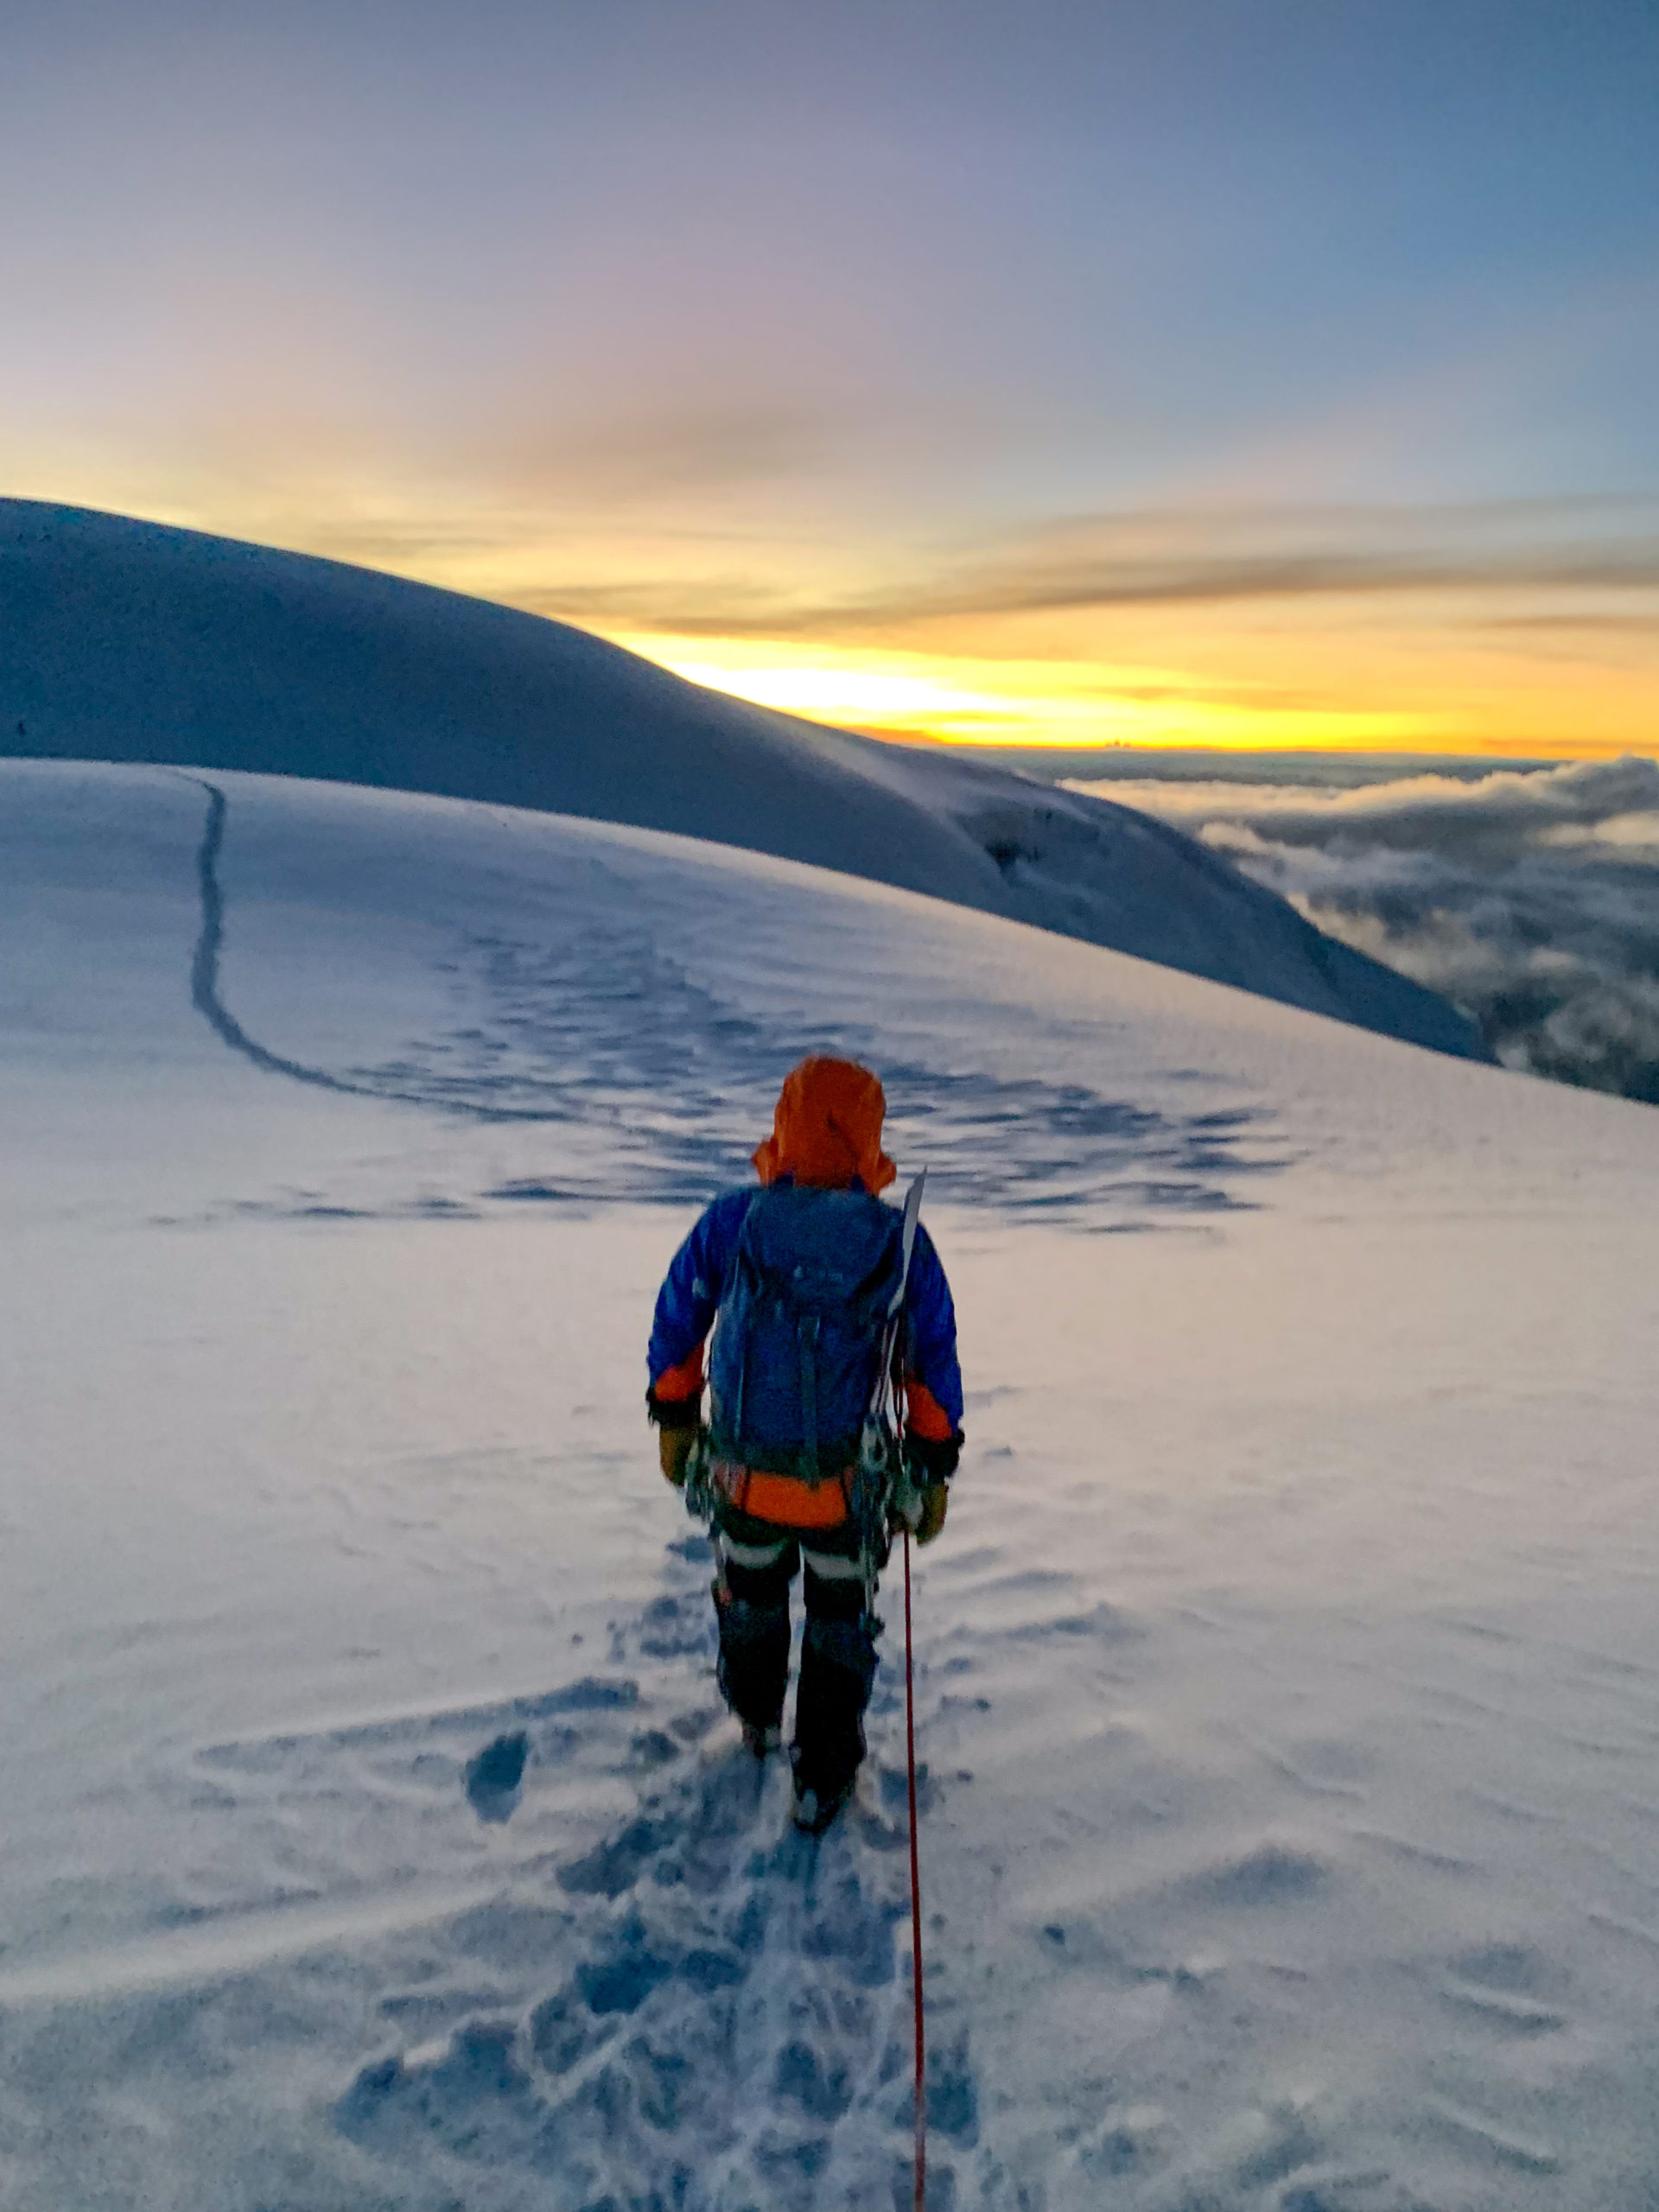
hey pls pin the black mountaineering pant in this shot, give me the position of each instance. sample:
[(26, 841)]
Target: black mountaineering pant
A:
[(758, 1562)]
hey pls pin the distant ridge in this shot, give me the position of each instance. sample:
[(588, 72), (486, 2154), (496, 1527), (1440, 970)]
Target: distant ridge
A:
[(131, 641)]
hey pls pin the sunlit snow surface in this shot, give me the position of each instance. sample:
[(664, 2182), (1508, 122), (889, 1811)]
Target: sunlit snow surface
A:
[(1288, 1671)]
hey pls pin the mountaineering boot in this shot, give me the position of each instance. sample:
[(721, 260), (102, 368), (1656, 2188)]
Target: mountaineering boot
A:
[(837, 1666), (753, 1668), (814, 1812)]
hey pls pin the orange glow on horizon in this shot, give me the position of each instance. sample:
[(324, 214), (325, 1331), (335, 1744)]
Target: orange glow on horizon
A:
[(1422, 696), (1487, 666), (964, 700)]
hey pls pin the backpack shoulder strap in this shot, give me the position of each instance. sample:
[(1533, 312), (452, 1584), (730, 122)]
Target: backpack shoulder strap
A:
[(884, 1406), (913, 1215)]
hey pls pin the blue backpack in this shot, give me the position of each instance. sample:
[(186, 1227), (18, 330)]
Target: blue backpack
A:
[(802, 1325)]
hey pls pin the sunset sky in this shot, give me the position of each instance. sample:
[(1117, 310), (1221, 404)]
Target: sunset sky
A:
[(1164, 371)]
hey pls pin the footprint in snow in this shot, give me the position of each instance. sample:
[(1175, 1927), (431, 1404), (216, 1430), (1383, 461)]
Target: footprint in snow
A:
[(722, 2022), (495, 1778)]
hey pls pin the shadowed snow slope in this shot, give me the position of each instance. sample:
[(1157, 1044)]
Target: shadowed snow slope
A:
[(128, 641), (1288, 1674)]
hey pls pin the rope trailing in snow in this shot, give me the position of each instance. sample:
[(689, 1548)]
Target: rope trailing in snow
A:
[(915, 1904)]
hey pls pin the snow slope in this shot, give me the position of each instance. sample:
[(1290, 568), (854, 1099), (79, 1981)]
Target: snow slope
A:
[(1288, 1670), (127, 641)]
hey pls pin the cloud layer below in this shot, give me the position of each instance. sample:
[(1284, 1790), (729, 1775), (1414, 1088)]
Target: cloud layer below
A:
[(1529, 899)]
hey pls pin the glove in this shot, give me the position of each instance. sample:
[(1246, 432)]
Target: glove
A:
[(932, 1459), (935, 1499), (678, 1421), (673, 1452)]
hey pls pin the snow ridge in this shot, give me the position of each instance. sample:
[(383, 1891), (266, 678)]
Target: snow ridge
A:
[(128, 641)]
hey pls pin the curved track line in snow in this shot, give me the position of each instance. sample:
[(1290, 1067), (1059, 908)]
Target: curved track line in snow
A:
[(587, 1020), (206, 998), (204, 964)]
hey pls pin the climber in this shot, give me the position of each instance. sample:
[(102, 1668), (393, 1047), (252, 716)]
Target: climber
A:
[(803, 1280)]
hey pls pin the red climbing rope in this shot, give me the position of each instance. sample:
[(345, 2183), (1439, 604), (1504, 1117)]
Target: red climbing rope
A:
[(915, 1907)]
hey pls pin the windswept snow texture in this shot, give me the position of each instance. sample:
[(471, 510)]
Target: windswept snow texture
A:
[(1287, 1672), (127, 641)]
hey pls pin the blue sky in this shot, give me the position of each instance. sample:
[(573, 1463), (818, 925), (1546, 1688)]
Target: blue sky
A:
[(719, 321)]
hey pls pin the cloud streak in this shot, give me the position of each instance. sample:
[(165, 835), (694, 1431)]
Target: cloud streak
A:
[(1530, 899), (1178, 557), (1172, 558)]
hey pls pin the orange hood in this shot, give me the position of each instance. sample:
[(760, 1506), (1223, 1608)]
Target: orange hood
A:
[(827, 1129)]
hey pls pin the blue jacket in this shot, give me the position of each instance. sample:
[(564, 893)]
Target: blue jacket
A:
[(695, 1282)]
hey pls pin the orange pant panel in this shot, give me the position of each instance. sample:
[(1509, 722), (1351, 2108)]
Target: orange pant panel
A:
[(783, 1499)]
